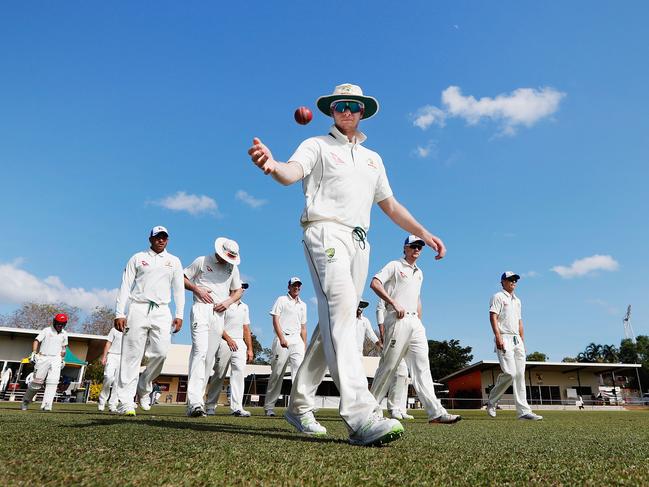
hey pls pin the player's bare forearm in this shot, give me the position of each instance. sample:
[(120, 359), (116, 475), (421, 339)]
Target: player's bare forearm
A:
[(520, 329), (283, 172), (277, 327), (377, 287), (247, 337), (400, 215)]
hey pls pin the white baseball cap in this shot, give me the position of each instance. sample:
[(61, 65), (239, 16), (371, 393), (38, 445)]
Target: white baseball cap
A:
[(158, 229), (228, 250), (509, 275), (294, 280), (411, 239)]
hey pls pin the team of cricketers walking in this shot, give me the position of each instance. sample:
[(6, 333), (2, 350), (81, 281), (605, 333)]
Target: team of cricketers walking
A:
[(341, 180)]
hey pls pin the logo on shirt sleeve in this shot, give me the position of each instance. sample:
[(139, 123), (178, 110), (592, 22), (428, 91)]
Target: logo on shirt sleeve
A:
[(372, 164), (145, 263)]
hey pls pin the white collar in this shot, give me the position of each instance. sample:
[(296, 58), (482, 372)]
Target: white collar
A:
[(359, 138), (405, 262)]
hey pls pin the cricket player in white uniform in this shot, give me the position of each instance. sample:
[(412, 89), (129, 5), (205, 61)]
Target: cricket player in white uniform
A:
[(398, 389), (48, 350), (507, 325), (234, 352), (147, 283), (364, 329), (6, 378), (215, 281), (399, 285), (110, 360), (341, 179), (289, 344)]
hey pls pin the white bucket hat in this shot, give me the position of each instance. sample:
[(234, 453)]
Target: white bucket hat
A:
[(348, 91), (228, 250)]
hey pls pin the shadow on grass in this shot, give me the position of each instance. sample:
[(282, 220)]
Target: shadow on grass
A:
[(209, 427)]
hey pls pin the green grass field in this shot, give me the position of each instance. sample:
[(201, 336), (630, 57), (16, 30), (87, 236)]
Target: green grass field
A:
[(76, 445)]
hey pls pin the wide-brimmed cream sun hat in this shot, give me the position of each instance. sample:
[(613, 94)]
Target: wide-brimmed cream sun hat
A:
[(228, 250), (347, 91)]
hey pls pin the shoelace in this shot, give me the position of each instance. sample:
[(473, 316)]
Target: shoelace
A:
[(359, 236)]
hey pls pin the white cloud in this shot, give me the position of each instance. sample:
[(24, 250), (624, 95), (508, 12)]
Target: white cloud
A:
[(429, 150), (429, 115), (523, 106), (191, 203), (587, 265), (18, 286), (605, 305), (249, 199), (530, 274)]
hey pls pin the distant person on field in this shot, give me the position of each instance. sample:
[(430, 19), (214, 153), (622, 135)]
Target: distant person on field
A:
[(110, 359)]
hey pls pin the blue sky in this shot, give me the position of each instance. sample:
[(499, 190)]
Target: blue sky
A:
[(516, 131)]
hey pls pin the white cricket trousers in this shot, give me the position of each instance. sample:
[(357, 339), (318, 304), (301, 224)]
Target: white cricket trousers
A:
[(406, 338), (398, 390), (47, 370), (207, 333), (148, 330), (111, 371), (338, 261), (226, 358), (280, 358), (512, 364)]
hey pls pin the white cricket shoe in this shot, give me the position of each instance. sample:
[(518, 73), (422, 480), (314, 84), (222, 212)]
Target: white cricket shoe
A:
[(112, 409), (196, 412), (396, 414), (491, 410), (446, 419), (100, 407), (210, 410), (24, 406), (270, 412), (407, 416), (241, 413), (305, 423), (145, 403), (531, 417), (377, 431)]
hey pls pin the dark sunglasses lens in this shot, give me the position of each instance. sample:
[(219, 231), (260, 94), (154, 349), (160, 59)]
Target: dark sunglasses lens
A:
[(353, 106), (416, 247)]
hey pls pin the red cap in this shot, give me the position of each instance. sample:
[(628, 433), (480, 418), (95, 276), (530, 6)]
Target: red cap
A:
[(61, 318)]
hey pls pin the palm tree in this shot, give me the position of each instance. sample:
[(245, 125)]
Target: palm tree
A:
[(593, 353), (610, 353)]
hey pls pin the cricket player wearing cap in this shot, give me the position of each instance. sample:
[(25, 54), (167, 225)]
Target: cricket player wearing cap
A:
[(364, 329), (235, 350), (399, 285), (147, 282), (215, 281), (289, 344), (48, 351), (507, 325), (398, 389), (341, 179), (110, 359)]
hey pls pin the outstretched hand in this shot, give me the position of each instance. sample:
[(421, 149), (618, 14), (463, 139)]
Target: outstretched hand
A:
[(437, 245), (261, 156)]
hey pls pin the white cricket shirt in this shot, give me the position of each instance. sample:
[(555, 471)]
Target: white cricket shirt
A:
[(115, 338), (508, 308), (341, 179), (52, 343), (236, 316), (291, 313), (402, 282), (206, 272), (364, 329), (150, 277)]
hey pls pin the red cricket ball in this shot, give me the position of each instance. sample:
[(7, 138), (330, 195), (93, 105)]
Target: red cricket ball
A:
[(303, 115)]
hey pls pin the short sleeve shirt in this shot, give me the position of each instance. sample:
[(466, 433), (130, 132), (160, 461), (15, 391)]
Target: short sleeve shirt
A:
[(402, 282), (219, 278), (364, 329), (236, 316), (52, 342), (508, 308), (115, 338), (342, 179), (291, 313)]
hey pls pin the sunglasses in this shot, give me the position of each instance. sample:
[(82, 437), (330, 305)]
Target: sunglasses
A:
[(416, 246), (341, 106), (513, 280)]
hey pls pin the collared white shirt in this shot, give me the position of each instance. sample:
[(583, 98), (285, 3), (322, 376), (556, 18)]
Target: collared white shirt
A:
[(115, 338), (341, 179), (402, 282), (364, 329), (149, 277), (508, 308), (219, 278), (236, 316), (52, 343), (291, 313)]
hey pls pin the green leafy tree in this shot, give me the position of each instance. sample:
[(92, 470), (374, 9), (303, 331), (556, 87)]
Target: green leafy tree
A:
[(260, 355), (447, 356), (569, 359), (39, 315), (537, 357)]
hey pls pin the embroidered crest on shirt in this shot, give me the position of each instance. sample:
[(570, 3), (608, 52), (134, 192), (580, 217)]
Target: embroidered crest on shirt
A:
[(168, 264), (336, 158), (372, 164), (403, 275), (144, 262), (330, 253), (209, 269)]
